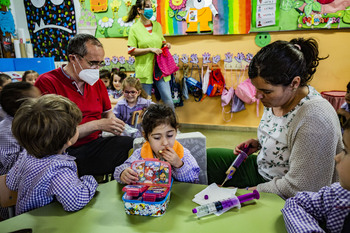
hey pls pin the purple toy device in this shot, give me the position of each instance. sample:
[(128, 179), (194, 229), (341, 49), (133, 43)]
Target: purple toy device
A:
[(236, 163), (213, 207)]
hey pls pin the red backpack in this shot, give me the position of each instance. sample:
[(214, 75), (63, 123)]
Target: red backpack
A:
[(216, 83)]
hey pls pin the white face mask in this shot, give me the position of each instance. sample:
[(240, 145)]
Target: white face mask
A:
[(89, 76)]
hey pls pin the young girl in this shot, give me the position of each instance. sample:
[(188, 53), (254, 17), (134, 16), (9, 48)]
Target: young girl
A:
[(4, 80), (159, 129), (104, 76), (135, 99), (116, 91), (30, 76)]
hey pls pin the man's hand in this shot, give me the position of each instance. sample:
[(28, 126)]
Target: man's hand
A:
[(112, 125)]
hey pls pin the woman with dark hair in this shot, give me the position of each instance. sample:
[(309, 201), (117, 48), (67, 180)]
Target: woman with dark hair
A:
[(144, 42), (299, 132)]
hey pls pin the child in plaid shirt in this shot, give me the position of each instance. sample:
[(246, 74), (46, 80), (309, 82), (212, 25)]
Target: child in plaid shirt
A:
[(11, 98), (160, 128), (330, 206), (46, 127)]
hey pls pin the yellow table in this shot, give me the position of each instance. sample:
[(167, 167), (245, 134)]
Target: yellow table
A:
[(105, 213)]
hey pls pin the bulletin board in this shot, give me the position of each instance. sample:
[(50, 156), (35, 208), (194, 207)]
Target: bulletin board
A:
[(219, 17), (287, 15), (177, 17)]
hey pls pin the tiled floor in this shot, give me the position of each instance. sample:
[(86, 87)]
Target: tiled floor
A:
[(222, 138)]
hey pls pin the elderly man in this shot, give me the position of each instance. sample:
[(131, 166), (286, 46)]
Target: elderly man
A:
[(79, 81)]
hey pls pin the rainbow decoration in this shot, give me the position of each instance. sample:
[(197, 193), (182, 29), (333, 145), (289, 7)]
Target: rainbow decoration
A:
[(170, 26), (234, 17)]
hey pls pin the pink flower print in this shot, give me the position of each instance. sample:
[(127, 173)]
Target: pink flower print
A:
[(177, 5)]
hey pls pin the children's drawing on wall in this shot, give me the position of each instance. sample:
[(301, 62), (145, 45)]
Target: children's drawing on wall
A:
[(301, 14), (87, 21), (119, 63), (324, 14), (262, 39), (51, 24), (7, 29), (178, 9), (266, 13), (234, 17), (200, 12), (177, 17)]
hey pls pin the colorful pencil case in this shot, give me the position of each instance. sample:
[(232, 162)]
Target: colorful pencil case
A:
[(156, 176)]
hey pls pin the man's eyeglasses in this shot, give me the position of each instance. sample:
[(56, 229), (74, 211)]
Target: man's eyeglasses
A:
[(94, 64), (130, 92)]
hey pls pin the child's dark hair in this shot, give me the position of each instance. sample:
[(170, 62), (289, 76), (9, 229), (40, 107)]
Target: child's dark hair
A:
[(77, 44), (133, 11), (24, 77), (155, 115), (44, 125), (348, 86), (13, 95), (104, 74), (120, 73), (281, 61), (3, 78), (346, 124), (135, 82)]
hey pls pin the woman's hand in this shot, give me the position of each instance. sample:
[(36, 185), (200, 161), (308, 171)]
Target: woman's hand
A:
[(156, 51), (129, 176), (253, 144), (171, 157), (168, 45)]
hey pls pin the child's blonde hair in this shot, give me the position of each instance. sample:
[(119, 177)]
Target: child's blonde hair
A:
[(135, 82), (44, 125)]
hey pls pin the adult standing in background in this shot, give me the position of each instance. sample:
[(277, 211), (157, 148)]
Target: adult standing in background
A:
[(299, 132), (79, 81), (144, 42)]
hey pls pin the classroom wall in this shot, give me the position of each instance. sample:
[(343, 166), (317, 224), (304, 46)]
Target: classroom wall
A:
[(332, 73)]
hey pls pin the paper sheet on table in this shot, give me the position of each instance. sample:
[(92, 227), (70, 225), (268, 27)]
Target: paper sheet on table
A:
[(215, 193)]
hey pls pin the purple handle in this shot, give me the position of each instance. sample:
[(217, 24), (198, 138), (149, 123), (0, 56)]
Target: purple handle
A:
[(249, 196), (240, 158)]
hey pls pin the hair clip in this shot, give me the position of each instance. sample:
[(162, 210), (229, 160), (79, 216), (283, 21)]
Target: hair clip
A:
[(298, 46)]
